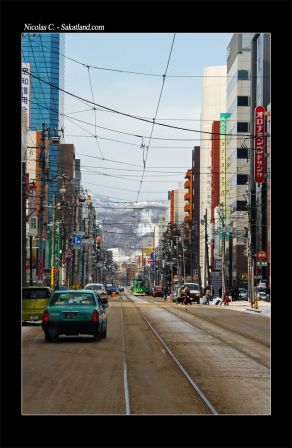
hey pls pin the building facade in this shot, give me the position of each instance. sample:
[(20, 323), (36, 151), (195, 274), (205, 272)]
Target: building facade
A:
[(42, 54), (213, 103), (237, 164), (260, 192)]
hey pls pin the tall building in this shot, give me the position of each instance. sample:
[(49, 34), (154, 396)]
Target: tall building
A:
[(260, 192), (237, 161), (213, 103), (195, 232), (177, 204), (215, 190), (42, 55)]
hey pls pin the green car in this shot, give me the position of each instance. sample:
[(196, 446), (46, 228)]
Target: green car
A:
[(34, 301), (74, 312)]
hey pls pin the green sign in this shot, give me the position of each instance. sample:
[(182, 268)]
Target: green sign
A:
[(262, 263)]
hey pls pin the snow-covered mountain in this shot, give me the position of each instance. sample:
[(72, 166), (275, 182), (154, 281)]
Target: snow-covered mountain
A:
[(126, 226)]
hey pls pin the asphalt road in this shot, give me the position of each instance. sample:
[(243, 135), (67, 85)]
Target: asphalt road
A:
[(154, 354)]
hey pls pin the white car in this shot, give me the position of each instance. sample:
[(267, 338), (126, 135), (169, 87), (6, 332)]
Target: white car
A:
[(242, 293), (195, 292)]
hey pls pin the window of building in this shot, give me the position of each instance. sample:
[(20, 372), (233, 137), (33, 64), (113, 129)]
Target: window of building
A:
[(242, 153), (242, 75), (242, 126), (242, 179), (242, 101), (238, 206)]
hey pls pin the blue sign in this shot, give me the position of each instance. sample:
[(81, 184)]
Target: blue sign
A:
[(76, 240), (152, 256)]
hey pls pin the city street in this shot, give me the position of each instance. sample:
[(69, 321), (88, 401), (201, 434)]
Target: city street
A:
[(158, 358)]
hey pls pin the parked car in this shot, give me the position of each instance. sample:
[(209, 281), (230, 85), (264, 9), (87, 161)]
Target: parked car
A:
[(34, 301), (242, 294), (262, 294), (74, 312), (121, 289), (195, 292), (157, 291)]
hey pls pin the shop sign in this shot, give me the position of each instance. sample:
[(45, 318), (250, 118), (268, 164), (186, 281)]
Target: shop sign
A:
[(259, 146)]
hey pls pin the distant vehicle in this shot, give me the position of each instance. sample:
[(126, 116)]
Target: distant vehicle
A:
[(74, 312), (242, 293), (100, 290), (262, 294), (157, 291), (34, 301), (195, 292), (121, 289), (139, 288), (111, 287), (98, 287)]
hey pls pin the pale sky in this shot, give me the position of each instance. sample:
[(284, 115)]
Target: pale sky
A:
[(137, 95)]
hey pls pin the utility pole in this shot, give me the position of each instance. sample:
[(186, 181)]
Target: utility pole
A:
[(223, 250), (207, 268), (23, 225), (42, 192), (53, 242)]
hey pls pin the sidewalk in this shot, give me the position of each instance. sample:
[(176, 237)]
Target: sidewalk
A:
[(264, 308)]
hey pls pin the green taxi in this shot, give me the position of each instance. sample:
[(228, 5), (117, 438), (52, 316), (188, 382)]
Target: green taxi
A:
[(34, 301), (74, 312)]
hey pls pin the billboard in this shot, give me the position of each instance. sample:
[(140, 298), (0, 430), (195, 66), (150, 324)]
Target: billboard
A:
[(259, 145)]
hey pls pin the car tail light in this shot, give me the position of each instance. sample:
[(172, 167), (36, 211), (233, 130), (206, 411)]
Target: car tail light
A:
[(95, 316), (45, 316)]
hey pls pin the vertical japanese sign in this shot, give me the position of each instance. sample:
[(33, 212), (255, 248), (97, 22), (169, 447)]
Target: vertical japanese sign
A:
[(25, 90), (259, 146), (223, 160)]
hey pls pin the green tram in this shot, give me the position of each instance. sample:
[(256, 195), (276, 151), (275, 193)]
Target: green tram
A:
[(139, 288)]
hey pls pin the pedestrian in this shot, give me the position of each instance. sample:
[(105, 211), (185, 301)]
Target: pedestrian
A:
[(226, 298), (170, 297), (187, 294), (208, 295), (165, 291), (180, 295), (63, 287)]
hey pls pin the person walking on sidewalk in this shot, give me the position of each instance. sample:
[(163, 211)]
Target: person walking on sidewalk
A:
[(165, 292), (187, 298)]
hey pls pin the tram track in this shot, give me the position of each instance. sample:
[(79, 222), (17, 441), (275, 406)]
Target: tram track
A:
[(185, 373), (213, 333)]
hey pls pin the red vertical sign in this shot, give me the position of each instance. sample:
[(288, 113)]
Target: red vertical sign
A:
[(259, 157)]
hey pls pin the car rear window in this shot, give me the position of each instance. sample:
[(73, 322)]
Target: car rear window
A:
[(193, 286), (94, 287), (72, 299), (42, 293)]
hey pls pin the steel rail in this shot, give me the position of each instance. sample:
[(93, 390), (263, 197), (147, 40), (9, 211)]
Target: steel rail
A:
[(209, 332), (125, 367), (181, 368)]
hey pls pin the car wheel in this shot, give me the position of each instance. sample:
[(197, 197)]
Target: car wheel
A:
[(97, 336), (47, 337), (53, 335), (103, 334)]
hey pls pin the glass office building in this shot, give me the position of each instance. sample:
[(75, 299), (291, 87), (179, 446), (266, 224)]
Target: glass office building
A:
[(43, 51)]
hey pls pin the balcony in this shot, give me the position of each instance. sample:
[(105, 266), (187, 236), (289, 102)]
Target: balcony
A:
[(187, 208), (188, 174), (187, 196), (187, 184)]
